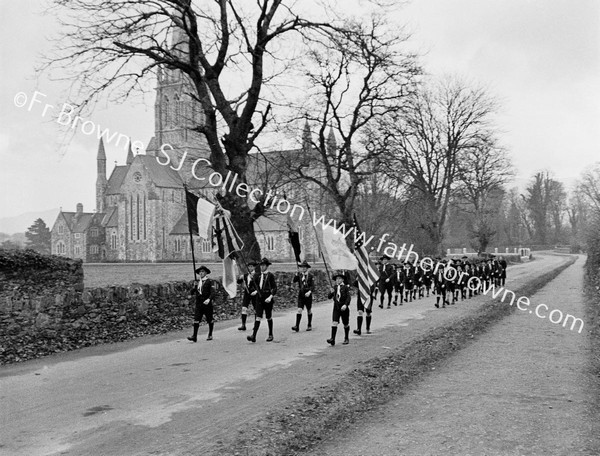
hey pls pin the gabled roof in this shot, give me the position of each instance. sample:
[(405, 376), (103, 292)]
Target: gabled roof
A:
[(82, 222), (111, 218), (161, 175), (270, 223), (181, 227), (116, 179)]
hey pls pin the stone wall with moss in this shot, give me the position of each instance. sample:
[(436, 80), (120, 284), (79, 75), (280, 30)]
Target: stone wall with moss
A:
[(44, 308)]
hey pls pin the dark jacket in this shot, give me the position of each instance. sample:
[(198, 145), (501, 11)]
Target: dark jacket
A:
[(304, 285), (206, 292), (249, 287), (344, 299), (269, 286)]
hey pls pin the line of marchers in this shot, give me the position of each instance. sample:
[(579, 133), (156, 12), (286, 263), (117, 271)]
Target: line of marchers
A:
[(426, 264)]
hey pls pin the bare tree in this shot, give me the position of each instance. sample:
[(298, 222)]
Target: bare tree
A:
[(482, 173), (427, 141), (354, 79), (112, 47), (589, 186), (544, 200)]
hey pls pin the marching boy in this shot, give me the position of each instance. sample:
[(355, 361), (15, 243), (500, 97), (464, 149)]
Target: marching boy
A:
[(306, 287), (341, 308), (204, 294)]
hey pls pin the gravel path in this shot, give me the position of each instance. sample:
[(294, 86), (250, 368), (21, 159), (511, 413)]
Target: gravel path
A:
[(522, 389)]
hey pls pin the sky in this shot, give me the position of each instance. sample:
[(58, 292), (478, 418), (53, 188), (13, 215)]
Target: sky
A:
[(540, 58)]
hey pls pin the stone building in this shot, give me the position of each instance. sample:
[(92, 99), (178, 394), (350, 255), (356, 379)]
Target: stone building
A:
[(140, 208)]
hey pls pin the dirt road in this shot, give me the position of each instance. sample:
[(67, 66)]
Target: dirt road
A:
[(522, 389), (165, 395)]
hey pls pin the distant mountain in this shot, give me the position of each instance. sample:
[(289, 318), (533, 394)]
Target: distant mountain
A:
[(20, 223)]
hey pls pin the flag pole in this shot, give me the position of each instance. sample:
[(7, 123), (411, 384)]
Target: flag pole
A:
[(190, 231), (320, 249)]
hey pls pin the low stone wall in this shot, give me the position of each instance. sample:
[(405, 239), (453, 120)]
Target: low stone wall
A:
[(44, 308)]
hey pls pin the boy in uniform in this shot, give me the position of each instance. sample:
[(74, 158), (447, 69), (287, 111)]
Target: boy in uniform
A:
[(267, 288), (386, 281), (306, 287), (204, 294), (249, 296), (341, 308)]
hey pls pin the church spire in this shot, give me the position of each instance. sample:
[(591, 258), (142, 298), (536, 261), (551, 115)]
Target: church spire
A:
[(101, 181), (331, 142), (129, 154), (306, 137)]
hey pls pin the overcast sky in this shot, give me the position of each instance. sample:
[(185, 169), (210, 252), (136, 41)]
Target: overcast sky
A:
[(541, 58)]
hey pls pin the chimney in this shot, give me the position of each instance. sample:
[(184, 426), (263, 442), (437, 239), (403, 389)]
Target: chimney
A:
[(79, 208)]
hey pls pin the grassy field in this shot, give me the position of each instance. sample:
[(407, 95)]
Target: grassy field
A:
[(123, 274)]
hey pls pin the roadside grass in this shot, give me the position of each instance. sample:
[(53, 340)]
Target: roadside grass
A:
[(306, 421), (592, 317)]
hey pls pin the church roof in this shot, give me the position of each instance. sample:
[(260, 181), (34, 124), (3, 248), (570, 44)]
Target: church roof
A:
[(111, 218), (161, 175), (181, 227), (116, 179), (272, 222), (81, 223)]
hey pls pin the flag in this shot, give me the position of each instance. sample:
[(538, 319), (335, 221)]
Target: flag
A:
[(230, 273), (191, 201), (294, 237), (200, 215), (228, 240), (336, 250), (367, 275)]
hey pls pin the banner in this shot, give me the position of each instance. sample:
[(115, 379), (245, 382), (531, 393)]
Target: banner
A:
[(230, 273), (336, 251)]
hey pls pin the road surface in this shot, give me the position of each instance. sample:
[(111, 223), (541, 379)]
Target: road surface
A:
[(165, 395), (522, 389)]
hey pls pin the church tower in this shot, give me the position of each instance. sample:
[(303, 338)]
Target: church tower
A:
[(101, 181), (177, 113)]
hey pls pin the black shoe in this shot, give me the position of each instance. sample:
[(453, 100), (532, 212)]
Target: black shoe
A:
[(242, 328), (192, 338), (437, 305), (357, 332), (381, 306), (209, 338), (270, 338), (396, 303), (251, 338), (346, 342), (389, 307), (309, 328), (331, 342), (295, 328), (368, 331)]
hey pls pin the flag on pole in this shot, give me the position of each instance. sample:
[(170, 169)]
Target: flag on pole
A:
[(367, 275), (294, 237), (335, 249), (228, 241), (230, 273), (200, 215)]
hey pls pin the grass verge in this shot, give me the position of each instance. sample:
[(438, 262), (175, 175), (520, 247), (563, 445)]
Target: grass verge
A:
[(592, 317), (306, 421)]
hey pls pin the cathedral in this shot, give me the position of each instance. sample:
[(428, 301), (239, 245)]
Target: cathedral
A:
[(140, 212)]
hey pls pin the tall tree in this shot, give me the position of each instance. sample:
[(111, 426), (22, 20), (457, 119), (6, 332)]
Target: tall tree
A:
[(231, 51), (429, 138), (353, 80), (38, 236), (544, 201), (482, 173)]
